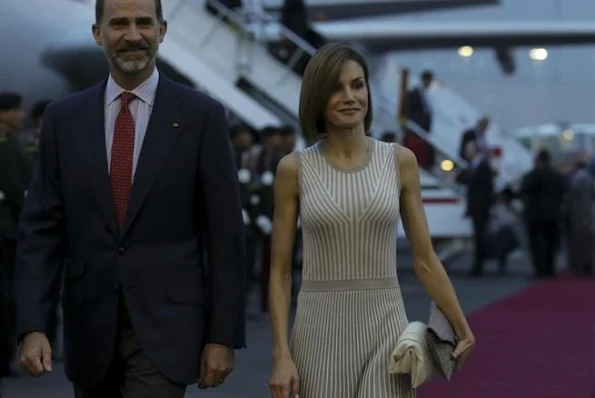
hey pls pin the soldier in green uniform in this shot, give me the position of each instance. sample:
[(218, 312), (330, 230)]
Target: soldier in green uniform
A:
[(29, 139), (14, 177)]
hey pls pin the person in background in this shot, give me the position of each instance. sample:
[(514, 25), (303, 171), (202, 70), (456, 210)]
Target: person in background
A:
[(289, 137), (476, 135), (266, 167), (419, 110), (30, 138), (14, 178), (480, 197), (543, 193), (388, 137), (580, 220), (242, 139)]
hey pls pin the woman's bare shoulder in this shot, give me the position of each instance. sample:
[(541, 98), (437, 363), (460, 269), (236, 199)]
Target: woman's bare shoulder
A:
[(405, 156), (289, 164)]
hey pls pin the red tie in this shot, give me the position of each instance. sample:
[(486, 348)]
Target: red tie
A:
[(121, 161)]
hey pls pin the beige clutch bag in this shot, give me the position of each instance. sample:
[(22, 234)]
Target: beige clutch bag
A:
[(441, 340)]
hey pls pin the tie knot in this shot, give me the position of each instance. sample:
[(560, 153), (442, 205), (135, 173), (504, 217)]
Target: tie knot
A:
[(126, 98)]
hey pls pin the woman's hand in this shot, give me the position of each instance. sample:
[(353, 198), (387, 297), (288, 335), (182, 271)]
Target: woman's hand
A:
[(284, 382), (463, 350)]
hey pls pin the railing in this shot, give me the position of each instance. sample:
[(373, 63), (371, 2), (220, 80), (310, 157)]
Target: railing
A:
[(263, 21), (448, 176), (298, 47)]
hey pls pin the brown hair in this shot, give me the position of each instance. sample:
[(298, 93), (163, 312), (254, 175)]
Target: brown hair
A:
[(100, 5), (320, 82)]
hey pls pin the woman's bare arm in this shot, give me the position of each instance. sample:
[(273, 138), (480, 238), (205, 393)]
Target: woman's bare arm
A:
[(426, 263), (284, 226)]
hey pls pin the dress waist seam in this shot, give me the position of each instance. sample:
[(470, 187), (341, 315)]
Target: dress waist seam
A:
[(349, 284)]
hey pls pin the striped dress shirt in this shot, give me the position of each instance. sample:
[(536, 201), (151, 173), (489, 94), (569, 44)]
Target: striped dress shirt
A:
[(140, 108)]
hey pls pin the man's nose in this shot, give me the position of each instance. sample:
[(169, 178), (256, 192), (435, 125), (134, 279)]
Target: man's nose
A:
[(133, 33)]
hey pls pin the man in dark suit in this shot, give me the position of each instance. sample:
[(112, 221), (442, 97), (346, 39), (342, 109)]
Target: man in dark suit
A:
[(480, 197), (135, 198), (476, 135), (418, 107), (419, 111), (543, 190)]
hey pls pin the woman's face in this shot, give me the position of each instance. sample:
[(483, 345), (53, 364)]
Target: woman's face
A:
[(348, 105)]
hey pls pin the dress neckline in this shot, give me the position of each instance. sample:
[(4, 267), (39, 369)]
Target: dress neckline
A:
[(369, 152)]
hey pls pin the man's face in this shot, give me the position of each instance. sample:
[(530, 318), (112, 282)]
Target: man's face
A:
[(289, 142), (242, 140), (274, 142), (426, 81), (13, 119), (483, 125), (130, 33)]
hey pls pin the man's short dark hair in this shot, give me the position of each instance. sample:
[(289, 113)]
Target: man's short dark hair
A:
[(427, 75), (100, 5), (543, 157)]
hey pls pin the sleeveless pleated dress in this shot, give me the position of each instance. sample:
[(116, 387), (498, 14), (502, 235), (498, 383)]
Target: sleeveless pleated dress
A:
[(350, 308)]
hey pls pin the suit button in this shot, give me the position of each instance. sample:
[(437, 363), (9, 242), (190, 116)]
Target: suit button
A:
[(121, 250), (115, 288)]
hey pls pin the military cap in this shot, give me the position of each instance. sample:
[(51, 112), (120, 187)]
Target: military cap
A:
[(286, 130), (10, 101), (270, 131)]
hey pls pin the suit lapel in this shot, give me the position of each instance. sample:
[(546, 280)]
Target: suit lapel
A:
[(162, 134), (94, 151)]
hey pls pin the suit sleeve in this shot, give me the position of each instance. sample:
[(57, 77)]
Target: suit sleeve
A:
[(40, 251), (225, 244), (464, 141)]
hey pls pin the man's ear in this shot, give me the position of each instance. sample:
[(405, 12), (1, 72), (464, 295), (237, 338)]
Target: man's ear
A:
[(162, 31), (97, 34)]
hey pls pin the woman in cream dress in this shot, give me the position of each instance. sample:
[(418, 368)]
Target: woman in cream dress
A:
[(350, 192)]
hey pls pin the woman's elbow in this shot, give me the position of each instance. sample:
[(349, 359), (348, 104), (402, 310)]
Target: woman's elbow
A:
[(425, 261), (280, 271)]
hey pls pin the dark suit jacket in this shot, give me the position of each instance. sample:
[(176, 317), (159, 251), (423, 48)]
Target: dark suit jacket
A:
[(416, 110), (480, 190), (543, 190), (468, 136), (184, 208)]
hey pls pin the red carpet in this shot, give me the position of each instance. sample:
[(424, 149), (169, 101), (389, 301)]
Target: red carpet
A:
[(539, 343)]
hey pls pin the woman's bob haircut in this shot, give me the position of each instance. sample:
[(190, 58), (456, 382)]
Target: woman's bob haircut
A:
[(320, 82)]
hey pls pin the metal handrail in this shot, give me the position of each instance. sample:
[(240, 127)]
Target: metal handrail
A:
[(431, 139), (263, 18), (448, 177)]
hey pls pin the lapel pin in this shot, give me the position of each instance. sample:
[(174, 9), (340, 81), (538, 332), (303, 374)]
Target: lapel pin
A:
[(175, 125)]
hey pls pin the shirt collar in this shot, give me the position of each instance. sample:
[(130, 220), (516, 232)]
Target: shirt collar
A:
[(145, 91)]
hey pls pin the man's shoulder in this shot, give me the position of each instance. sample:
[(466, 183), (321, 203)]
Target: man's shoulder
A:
[(73, 101), (194, 96)]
